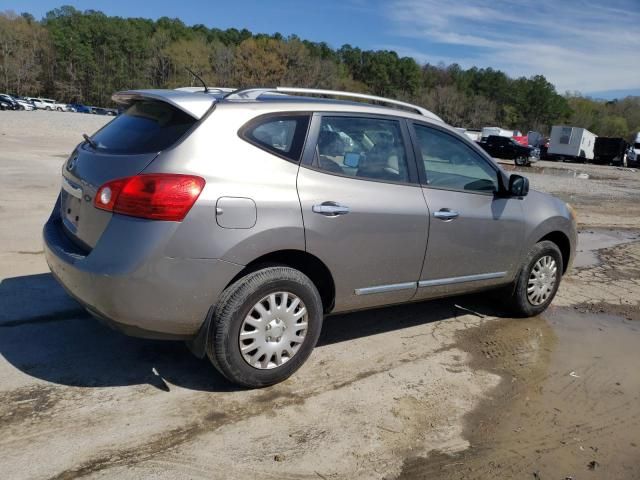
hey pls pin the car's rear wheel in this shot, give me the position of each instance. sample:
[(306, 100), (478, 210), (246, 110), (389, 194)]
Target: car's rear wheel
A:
[(265, 326), (538, 280)]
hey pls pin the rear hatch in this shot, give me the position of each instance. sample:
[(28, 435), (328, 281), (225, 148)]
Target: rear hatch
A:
[(122, 148)]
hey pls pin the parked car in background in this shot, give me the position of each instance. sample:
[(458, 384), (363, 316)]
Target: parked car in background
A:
[(633, 154), (508, 148), (238, 221), (80, 108), (7, 102), (571, 143), (544, 148), (103, 111), (23, 103), (535, 139), (49, 104), (521, 139), (610, 150)]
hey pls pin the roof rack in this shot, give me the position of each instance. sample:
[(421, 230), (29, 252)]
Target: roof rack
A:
[(255, 93)]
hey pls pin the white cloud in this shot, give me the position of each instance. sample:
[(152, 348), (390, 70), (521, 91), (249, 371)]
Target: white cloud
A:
[(577, 45)]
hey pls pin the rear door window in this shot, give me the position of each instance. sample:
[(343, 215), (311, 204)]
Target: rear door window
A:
[(366, 148), (146, 126)]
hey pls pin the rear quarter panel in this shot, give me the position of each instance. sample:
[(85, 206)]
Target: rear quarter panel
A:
[(233, 168)]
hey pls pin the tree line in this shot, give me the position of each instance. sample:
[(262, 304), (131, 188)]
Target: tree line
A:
[(85, 56)]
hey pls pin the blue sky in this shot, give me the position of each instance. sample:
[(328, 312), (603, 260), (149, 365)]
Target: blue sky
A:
[(579, 45)]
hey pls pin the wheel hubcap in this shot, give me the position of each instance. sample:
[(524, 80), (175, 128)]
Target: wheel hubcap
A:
[(542, 280), (273, 331)]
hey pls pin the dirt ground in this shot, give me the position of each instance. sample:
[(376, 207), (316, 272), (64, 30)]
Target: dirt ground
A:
[(443, 389)]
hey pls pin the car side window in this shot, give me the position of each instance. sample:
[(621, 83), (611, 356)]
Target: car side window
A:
[(282, 135), (451, 164), (370, 148)]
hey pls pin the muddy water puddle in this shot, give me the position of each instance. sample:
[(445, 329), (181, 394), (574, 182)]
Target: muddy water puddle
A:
[(594, 239), (567, 406)]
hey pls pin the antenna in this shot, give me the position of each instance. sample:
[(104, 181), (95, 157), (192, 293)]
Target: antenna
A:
[(206, 90)]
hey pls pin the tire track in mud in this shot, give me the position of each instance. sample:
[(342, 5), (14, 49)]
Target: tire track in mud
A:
[(258, 403)]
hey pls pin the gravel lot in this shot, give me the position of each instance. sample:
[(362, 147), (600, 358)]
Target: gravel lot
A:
[(444, 389)]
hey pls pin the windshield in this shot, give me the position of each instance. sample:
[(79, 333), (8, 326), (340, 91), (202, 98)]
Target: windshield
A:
[(145, 126)]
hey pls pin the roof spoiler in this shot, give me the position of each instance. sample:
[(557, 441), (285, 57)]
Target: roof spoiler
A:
[(193, 105)]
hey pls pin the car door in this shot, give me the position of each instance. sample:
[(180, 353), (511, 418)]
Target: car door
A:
[(363, 208), (475, 234)]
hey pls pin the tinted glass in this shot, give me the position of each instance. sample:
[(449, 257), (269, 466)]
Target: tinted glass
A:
[(282, 135), (362, 147), (451, 164), (144, 127), (277, 134)]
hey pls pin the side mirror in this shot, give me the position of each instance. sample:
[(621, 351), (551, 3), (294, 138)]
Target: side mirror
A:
[(518, 185)]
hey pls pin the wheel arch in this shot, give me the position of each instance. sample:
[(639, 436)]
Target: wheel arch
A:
[(309, 264), (564, 245)]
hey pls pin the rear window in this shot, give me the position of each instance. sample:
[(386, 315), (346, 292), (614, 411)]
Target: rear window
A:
[(146, 126)]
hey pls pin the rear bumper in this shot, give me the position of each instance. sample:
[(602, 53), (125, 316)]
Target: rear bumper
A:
[(128, 283)]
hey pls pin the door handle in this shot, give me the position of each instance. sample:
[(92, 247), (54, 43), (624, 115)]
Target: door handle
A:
[(330, 209), (446, 214)]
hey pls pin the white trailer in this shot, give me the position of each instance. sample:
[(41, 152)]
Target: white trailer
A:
[(475, 135), (571, 142), (500, 132), (471, 133)]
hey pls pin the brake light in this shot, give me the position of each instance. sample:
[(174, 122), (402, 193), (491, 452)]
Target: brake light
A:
[(156, 196)]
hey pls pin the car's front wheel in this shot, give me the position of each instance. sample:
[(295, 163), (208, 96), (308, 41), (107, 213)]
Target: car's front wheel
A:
[(538, 280), (265, 326), (521, 161)]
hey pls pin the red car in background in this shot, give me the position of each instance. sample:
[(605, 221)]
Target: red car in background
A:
[(522, 139)]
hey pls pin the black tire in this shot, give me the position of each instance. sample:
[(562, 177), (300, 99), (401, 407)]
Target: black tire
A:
[(519, 304), (236, 302), (48, 108), (521, 161)]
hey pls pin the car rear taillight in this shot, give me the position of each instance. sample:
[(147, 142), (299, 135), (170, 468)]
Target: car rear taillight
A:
[(156, 196)]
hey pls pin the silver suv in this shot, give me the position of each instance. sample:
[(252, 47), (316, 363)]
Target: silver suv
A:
[(237, 220)]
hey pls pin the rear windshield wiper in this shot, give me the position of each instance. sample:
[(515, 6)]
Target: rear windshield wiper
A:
[(87, 138)]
